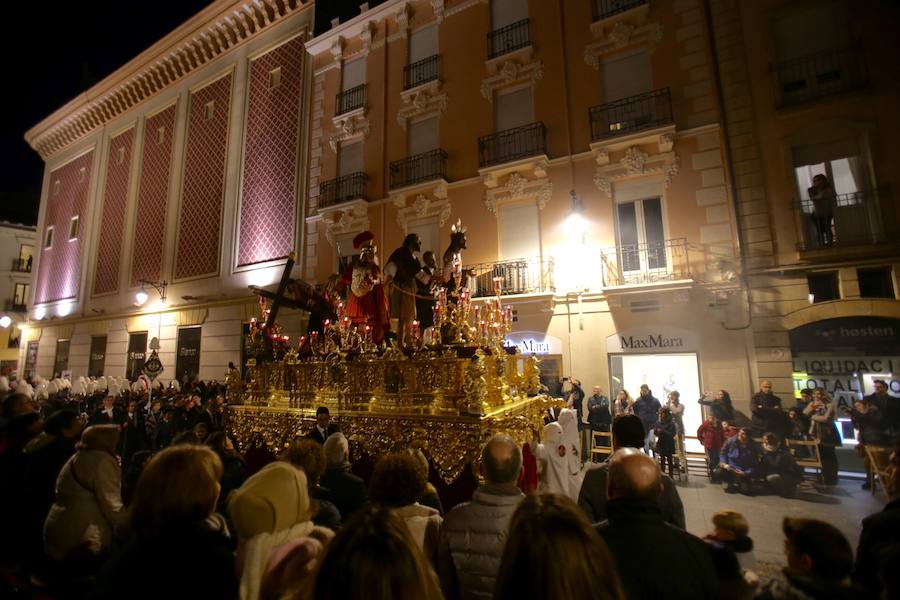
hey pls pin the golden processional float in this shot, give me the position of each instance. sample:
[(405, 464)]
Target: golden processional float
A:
[(445, 393)]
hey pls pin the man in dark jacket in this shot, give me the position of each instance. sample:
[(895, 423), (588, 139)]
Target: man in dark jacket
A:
[(879, 532), (767, 414), (324, 427), (599, 416), (646, 407), (628, 432), (108, 413), (348, 492), (673, 563), (777, 467)]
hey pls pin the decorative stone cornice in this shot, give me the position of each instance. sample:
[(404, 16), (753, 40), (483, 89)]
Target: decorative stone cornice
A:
[(424, 101), (213, 32), (510, 72), (354, 125), (636, 163), (621, 35), (423, 206), (366, 35), (517, 187), (402, 19), (347, 219), (438, 6)]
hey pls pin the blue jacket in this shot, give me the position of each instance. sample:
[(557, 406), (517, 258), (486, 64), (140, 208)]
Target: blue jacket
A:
[(745, 458)]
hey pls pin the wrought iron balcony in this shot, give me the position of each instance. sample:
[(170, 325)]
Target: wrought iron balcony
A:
[(22, 265), (603, 9), (512, 144), (427, 166), (820, 74), (857, 219), (350, 99), (630, 115), (13, 306), (421, 71), (507, 39), (531, 275), (652, 262), (343, 189)]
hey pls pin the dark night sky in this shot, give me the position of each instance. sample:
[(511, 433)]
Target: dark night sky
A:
[(54, 51)]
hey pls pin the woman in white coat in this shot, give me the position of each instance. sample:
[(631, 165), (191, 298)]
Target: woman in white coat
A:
[(88, 505)]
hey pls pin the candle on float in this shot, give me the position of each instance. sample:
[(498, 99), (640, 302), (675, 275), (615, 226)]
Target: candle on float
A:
[(340, 310), (368, 333), (498, 285)]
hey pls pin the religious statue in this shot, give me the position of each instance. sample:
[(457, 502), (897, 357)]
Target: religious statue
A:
[(452, 266), (402, 273), (366, 301)]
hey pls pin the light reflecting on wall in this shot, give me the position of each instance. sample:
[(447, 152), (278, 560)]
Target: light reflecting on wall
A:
[(263, 277), (64, 309), (40, 312)]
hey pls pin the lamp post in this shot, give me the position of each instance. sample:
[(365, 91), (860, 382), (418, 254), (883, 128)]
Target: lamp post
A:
[(141, 296)]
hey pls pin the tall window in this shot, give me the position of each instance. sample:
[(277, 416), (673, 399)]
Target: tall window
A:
[(513, 109), (626, 76), (353, 74), (424, 135), (350, 158), (519, 231), (20, 296), (507, 12), (641, 235), (847, 175), (423, 43)]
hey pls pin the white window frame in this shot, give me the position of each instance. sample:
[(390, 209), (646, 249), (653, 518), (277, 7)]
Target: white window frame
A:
[(49, 234), (74, 224)]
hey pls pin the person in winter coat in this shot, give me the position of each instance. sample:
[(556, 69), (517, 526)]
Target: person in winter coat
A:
[(739, 463), (821, 414), (474, 534), (270, 509), (397, 483), (599, 415), (719, 405), (665, 431), (173, 516), (623, 404), (819, 560), (88, 507), (731, 529), (348, 492), (646, 407), (777, 467), (712, 436)]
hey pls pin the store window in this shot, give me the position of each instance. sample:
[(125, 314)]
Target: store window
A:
[(823, 287)]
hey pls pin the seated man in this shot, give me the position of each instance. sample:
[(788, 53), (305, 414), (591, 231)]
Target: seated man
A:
[(777, 467), (739, 463), (627, 432)]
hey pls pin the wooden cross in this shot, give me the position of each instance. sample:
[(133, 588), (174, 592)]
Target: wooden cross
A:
[(278, 299)]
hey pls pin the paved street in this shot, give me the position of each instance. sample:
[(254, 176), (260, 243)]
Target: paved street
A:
[(843, 506)]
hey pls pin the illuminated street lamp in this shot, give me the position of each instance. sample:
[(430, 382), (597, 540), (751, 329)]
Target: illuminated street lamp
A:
[(5, 321), (575, 221), (141, 296)]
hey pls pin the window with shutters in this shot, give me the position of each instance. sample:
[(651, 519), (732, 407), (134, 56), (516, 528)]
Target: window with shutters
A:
[(513, 109), (423, 63), (424, 135), (519, 230), (350, 158), (625, 76)]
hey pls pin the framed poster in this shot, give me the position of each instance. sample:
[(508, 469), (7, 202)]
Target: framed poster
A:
[(187, 357), (137, 354), (31, 352), (61, 361), (97, 358)]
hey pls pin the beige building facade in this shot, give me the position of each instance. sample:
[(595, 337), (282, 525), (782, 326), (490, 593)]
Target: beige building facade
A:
[(492, 113), (808, 90), (17, 243)]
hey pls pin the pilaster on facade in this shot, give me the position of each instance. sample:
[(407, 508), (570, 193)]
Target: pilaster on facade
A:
[(632, 27)]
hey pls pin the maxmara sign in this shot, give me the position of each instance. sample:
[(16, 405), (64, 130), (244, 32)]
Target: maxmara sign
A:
[(534, 342), (650, 340)]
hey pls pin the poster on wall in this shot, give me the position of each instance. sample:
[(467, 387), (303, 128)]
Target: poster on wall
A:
[(137, 354), (98, 356), (187, 357), (61, 361), (31, 352)]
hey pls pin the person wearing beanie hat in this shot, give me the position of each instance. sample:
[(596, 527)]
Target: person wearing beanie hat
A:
[(270, 509), (367, 304)]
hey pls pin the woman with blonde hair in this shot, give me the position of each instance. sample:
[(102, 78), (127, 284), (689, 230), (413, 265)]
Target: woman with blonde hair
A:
[(821, 414), (544, 528), (172, 516), (374, 557), (622, 405), (80, 525)]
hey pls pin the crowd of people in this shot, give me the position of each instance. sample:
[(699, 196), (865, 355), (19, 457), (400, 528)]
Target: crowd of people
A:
[(144, 494)]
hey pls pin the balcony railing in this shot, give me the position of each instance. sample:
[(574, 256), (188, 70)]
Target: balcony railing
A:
[(653, 262), (820, 74), (512, 144), (421, 71), (350, 99), (857, 219), (603, 9), (507, 39), (427, 166), (343, 189), (518, 276), (630, 115), (12, 306), (22, 265)]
